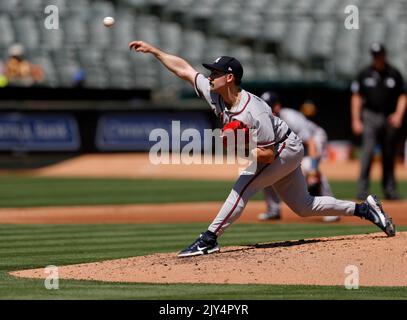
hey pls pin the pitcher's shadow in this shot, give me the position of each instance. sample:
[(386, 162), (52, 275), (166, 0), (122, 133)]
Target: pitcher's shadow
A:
[(282, 244)]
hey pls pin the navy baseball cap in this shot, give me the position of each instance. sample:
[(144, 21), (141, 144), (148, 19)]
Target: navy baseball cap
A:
[(227, 65), (270, 97), (377, 49)]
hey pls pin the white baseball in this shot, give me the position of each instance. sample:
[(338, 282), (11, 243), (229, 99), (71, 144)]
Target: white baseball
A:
[(108, 21)]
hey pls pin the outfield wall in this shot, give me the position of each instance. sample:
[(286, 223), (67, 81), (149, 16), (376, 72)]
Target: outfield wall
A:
[(83, 121)]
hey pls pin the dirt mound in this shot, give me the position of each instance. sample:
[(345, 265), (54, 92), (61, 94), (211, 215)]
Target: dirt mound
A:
[(138, 165), (170, 213), (381, 261)]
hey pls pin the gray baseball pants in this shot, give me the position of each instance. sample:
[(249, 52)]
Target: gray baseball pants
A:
[(286, 177), (377, 131)]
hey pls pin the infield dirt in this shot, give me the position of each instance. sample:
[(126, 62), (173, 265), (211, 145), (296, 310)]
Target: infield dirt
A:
[(380, 261)]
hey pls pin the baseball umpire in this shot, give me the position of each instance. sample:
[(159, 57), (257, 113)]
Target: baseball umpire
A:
[(315, 139), (378, 104), (278, 154)]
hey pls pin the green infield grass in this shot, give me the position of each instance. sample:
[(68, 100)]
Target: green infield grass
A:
[(37, 246), (18, 191)]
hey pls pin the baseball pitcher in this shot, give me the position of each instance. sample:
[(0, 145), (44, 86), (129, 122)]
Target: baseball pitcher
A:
[(278, 154)]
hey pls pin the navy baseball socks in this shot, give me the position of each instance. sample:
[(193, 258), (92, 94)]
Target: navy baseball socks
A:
[(205, 244), (371, 209)]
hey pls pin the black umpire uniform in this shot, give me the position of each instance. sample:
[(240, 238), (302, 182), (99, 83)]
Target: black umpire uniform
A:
[(378, 92)]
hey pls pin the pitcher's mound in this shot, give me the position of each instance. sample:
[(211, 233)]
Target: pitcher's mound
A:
[(375, 258)]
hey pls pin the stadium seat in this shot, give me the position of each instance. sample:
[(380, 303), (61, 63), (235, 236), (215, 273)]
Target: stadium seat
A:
[(136, 3), (277, 9), (27, 31), (322, 40), (393, 11), (91, 57), (374, 30), (194, 44), (78, 8), (60, 4), (266, 66), (123, 32), (9, 6), (67, 73), (252, 25), (346, 66), (32, 7), (273, 30), (170, 35), (100, 36), (396, 37), (303, 7), (51, 39), (7, 36), (47, 65), (216, 47), (96, 78), (291, 71), (325, 9), (286, 38), (296, 40), (76, 31)]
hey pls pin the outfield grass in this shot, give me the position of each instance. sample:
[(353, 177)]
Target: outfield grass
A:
[(36, 246), (20, 191)]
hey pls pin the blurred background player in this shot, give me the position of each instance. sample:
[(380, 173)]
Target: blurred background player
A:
[(309, 109), (20, 71), (378, 105), (315, 140)]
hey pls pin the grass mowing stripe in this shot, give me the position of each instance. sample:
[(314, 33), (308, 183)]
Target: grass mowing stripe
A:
[(175, 239), (59, 191), (106, 242), (261, 233), (25, 289), (66, 236), (91, 240), (137, 233), (39, 191), (95, 229), (94, 249), (257, 234), (98, 227)]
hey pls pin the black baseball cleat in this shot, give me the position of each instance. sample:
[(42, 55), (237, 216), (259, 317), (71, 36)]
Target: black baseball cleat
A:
[(205, 244), (391, 195), (361, 195), (374, 212)]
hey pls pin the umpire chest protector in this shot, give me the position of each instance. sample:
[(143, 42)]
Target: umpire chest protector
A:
[(379, 89)]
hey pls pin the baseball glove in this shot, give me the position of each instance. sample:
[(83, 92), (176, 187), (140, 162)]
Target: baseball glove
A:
[(314, 183), (235, 132)]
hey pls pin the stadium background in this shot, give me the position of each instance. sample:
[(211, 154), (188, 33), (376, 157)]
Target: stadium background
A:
[(96, 97)]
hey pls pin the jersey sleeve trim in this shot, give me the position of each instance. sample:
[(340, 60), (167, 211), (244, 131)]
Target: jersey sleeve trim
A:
[(247, 102), (266, 144), (198, 92)]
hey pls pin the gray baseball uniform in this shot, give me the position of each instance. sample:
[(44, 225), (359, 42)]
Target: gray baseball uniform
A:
[(284, 173), (306, 130)]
